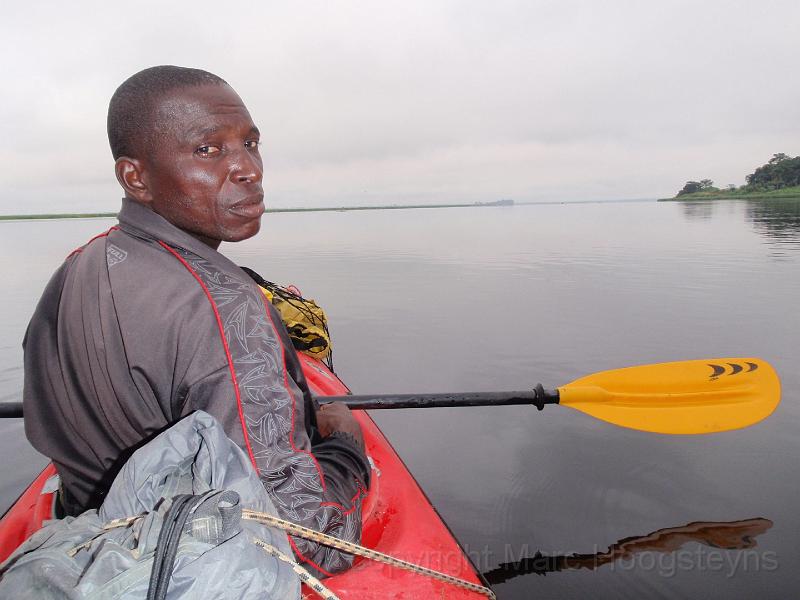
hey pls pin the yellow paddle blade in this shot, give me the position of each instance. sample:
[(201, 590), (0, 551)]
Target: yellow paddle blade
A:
[(693, 396)]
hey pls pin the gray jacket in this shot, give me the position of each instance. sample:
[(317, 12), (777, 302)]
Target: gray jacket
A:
[(145, 324), (74, 558)]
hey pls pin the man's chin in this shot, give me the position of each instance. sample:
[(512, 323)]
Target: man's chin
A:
[(243, 233)]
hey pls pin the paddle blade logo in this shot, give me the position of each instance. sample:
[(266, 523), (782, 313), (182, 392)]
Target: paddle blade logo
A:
[(731, 369)]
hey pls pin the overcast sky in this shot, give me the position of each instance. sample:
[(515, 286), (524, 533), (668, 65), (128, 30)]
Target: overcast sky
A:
[(416, 101)]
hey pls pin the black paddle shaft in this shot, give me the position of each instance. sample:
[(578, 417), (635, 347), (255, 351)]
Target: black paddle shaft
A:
[(537, 397), (10, 410)]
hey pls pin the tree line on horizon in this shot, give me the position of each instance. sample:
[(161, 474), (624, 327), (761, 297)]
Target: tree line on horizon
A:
[(781, 171)]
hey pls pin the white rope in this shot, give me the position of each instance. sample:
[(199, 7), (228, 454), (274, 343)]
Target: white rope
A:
[(328, 540), (351, 548), (306, 577)]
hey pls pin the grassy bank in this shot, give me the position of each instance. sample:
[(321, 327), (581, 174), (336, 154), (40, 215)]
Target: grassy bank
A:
[(269, 210), (789, 193)]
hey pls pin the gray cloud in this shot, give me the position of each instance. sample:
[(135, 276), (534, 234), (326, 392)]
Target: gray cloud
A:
[(423, 101)]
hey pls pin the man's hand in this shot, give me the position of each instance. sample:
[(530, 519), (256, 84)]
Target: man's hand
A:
[(336, 417)]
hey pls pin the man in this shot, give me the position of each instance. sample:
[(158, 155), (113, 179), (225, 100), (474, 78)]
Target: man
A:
[(148, 322)]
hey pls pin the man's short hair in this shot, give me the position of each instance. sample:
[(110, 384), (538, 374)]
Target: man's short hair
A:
[(131, 110)]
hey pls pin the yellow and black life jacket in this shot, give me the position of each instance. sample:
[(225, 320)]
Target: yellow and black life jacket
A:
[(304, 319)]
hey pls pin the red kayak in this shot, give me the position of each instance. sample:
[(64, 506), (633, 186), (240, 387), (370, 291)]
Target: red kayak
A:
[(398, 520)]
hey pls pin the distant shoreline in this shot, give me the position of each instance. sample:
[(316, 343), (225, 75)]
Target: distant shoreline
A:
[(269, 210), (791, 193)]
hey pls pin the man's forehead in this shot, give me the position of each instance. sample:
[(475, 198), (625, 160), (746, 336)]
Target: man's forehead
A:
[(198, 108)]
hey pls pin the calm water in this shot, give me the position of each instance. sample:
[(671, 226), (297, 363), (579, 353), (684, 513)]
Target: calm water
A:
[(503, 298)]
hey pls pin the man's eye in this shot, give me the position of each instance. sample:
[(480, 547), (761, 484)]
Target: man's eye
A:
[(252, 144), (207, 150)]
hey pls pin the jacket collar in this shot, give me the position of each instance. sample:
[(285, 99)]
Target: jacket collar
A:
[(140, 221)]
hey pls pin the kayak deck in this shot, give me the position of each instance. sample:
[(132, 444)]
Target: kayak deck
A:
[(397, 520)]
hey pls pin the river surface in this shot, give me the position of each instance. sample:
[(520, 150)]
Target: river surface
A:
[(501, 299)]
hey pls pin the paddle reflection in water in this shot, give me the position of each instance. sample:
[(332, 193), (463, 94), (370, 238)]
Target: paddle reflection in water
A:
[(732, 535)]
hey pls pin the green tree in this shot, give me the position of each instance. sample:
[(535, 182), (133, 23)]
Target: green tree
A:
[(780, 171), (691, 187)]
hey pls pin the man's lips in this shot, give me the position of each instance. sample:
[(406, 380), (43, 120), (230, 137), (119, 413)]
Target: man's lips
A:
[(251, 207)]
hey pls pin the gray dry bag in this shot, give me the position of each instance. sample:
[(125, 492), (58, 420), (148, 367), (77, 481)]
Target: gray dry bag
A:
[(186, 488)]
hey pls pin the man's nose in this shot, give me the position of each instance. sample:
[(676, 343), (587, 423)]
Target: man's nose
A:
[(247, 168)]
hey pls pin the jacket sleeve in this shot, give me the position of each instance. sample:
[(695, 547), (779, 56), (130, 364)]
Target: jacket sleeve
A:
[(314, 481)]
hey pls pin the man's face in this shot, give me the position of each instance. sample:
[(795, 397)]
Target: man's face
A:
[(204, 171)]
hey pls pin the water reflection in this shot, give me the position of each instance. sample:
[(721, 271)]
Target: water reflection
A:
[(733, 535), (779, 220), (699, 210)]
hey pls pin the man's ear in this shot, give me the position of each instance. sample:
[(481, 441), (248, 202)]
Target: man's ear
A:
[(133, 179)]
